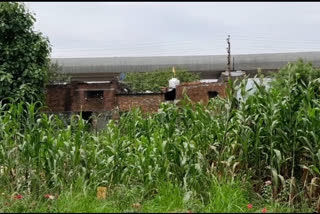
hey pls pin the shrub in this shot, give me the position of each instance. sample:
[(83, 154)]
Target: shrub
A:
[(156, 80)]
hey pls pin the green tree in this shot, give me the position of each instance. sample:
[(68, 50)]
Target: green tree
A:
[(24, 54), (156, 80), (55, 74), (299, 72)]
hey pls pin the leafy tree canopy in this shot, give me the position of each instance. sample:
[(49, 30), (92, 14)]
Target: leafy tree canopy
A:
[(55, 74), (299, 72), (24, 54), (156, 80)]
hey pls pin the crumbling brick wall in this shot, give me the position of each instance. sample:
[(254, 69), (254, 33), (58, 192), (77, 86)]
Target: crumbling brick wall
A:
[(59, 98), (147, 102), (200, 92), (74, 97)]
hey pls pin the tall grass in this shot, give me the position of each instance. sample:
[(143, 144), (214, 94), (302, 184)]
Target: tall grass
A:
[(271, 134)]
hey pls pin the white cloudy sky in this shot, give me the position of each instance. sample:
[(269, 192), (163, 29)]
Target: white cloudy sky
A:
[(83, 29)]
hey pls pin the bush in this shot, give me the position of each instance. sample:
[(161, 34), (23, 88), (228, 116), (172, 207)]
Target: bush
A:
[(156, 80)]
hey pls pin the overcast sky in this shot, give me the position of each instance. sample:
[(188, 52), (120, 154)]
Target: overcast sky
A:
[(105, 29)]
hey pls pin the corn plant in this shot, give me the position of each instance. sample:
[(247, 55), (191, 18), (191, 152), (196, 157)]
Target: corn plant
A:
[(270, 135)]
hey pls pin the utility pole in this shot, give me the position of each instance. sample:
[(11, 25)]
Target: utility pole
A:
[(233, 63), (229, 57)]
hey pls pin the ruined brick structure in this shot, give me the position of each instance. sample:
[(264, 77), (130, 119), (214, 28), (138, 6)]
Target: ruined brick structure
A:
[(104, 97), (81, 96), (201, 92)]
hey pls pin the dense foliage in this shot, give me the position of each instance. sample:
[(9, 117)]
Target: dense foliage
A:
[(299, 71), (156, 80), (270, 136), (55, 74), (23, 54)]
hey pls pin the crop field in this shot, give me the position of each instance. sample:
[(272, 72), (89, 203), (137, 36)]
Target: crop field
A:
[(257, 154)]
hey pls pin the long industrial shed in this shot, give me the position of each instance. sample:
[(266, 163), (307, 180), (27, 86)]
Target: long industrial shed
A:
[(209, 66)]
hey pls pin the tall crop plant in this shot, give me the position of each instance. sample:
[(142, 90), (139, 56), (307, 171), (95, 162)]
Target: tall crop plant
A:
[(271, 134)]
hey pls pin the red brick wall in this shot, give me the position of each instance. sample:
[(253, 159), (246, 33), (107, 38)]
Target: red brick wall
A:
[(198, 91), (147, 102), (96, 104), (72, 97), (58, 98)]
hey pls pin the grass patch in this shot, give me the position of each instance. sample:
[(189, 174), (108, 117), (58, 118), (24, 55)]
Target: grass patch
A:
[(227, 197)]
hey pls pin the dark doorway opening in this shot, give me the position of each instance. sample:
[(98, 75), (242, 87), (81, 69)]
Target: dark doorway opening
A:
[(212, 94), (87, 115), (170, 95)]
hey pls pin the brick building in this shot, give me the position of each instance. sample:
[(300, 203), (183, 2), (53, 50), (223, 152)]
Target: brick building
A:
[(109, 97), (82, 96)]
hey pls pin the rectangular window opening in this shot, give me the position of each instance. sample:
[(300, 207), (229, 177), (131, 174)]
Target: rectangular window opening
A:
[(95, 94)]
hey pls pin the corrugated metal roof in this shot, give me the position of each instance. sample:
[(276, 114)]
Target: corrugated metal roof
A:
[(191, 63)]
